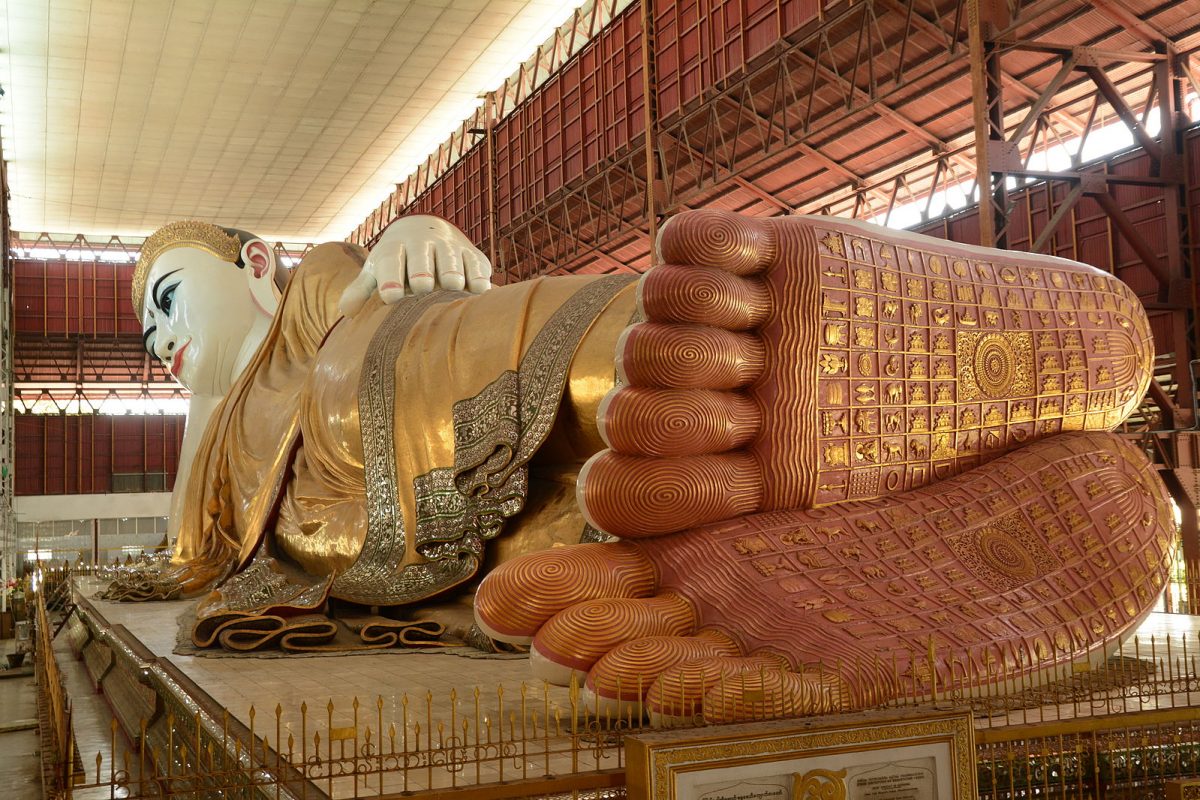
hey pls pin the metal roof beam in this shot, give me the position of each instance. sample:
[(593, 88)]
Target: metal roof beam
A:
[(1127, 115), (1132, 23), (886, 111), (1081, 52), (833, 165), (919, 20)]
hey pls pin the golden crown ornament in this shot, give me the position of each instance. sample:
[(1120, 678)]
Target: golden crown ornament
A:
[(188, 233)]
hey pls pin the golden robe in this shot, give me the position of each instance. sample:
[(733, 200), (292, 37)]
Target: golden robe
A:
[(383, 452)]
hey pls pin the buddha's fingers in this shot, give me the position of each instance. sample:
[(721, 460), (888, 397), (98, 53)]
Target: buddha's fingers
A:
[(572, 641), (520, 595)]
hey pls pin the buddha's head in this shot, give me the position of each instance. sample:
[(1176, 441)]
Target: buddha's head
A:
[(201, 290)]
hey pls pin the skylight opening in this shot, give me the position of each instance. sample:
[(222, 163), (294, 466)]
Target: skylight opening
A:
[(1057, 157)]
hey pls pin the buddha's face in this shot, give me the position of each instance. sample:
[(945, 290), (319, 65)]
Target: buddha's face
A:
[(196, 316)]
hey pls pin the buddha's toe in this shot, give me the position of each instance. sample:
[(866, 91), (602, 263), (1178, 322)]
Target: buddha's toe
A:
[(677, 696), (519, 596), (576, 638), (623, 676), (752, 692)]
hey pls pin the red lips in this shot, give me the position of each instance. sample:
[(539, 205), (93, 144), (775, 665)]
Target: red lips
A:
[(177, 360)]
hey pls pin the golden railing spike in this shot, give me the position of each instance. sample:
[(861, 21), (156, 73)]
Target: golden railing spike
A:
[(1034, 687), (170, 741), (546, 725)]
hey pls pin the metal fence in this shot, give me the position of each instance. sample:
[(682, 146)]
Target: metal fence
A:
[(1121, 728)]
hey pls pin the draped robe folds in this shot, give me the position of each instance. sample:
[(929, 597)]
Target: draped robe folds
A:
[(379, 454)]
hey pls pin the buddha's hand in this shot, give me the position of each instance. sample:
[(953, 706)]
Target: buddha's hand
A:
[(417, 255)]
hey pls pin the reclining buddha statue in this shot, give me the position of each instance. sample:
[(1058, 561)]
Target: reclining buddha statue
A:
[(815, 440), (298, 413)]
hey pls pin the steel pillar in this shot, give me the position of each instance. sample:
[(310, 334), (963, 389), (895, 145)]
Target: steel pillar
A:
[(650, 106), (984, 18)]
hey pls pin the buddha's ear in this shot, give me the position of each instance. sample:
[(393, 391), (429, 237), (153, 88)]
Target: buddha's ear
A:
[(260, 265)]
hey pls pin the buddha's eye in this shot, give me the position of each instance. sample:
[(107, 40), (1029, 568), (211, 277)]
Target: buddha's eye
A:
[(167, 297)]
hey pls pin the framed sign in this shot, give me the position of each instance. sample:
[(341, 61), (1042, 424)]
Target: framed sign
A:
[(886, 755)]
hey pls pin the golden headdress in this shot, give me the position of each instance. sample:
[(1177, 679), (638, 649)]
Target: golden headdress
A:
[(188, 233)]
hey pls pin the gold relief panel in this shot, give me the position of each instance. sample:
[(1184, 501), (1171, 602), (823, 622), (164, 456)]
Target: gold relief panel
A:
[(832, 242), (995, 365), (889, 281), (861, 250), (865, 364)]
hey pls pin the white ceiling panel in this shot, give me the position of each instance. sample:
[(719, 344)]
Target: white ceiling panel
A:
[(290, 118)]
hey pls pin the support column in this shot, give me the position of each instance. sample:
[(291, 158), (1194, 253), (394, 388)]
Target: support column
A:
[(489, 110), (1184, 483), (650, 111), (8, 524), (984, 18), (1180, 290)]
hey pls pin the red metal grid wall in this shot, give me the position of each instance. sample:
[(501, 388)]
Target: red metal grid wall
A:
[(1088, 234), (700, 43), (79, 454), (463, 199), (73, 298), (588, 110), (593, 107)]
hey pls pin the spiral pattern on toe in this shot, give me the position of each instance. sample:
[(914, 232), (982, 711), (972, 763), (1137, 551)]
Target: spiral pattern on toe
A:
[(578, 636), (689, 357), (757, 694), (670, 423), (710, 238), (703, 296), (517, 597), (628, 671), (680, 690), (635, 497)]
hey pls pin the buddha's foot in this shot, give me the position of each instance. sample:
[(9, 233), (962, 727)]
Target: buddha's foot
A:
[(164, 581), (794, 362), (1041, 558)]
